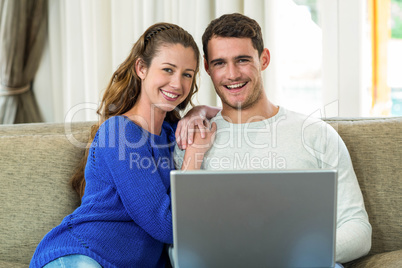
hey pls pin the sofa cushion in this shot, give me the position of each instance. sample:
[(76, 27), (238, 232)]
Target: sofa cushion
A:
[(35, 194), (389, 260), (6, 264), (375, 146)]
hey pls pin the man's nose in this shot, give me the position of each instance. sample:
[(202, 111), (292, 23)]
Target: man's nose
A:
[(233, 72)]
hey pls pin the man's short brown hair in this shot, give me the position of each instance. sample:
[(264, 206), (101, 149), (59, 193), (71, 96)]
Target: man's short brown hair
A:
[(234, 25)]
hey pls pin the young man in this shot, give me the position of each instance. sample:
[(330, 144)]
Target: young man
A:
[(253, 133)]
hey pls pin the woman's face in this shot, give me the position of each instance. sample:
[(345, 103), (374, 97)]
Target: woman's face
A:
[(167, 81)]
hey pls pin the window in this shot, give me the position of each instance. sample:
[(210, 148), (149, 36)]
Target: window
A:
[(340, 53), (300, 55), (385, 19)]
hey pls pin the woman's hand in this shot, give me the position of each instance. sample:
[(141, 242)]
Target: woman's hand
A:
[(195, 152), (203, 140), (196, 118)]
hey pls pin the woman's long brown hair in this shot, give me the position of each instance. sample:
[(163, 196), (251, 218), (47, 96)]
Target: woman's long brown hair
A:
[(124, 87)]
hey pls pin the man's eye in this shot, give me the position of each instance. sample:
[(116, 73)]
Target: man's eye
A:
[(218, 63), (243, 60)]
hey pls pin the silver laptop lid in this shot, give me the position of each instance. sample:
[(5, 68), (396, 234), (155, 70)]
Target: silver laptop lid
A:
[(254, 218)]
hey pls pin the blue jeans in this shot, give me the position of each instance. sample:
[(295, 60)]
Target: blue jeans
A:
[(76, 260)]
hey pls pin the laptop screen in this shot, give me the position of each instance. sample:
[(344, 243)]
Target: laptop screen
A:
[(254, 218)]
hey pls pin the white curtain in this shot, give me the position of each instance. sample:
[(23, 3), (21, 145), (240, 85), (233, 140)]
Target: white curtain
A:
[(88, 39)]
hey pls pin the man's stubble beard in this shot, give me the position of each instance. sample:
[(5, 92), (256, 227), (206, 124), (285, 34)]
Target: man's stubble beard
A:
[(248, 103)]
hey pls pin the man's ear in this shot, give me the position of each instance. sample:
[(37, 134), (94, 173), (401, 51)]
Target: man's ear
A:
[(140, 68), (206, 65), (265, 58)]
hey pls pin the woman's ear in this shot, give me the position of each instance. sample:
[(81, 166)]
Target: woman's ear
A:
[(140, 68)]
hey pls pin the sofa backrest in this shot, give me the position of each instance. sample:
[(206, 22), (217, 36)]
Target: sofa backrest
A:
[(375, 146), (36, 163)]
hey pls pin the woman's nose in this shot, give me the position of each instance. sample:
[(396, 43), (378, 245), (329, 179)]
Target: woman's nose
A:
[(175, 81)]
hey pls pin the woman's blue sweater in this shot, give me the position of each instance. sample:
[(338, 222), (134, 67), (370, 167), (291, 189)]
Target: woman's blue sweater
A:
[(125, 216)]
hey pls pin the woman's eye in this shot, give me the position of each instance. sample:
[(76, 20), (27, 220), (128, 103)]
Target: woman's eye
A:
[(168, 70), (188, 75)]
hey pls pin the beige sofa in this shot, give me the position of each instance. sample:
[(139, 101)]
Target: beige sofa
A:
[(37, 160)]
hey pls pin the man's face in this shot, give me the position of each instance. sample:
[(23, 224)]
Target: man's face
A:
[(235, 70)]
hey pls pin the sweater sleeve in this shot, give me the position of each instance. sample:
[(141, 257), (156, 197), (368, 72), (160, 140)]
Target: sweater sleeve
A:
[(136, 175), (353, 234)]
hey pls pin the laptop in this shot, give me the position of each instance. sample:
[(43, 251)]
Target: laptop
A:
[(254, 218)]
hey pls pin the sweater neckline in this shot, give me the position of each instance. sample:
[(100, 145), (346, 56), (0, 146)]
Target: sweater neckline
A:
[(162, 134), (264, 122)]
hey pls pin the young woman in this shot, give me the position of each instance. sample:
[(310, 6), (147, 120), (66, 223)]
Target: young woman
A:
[(125, 215)]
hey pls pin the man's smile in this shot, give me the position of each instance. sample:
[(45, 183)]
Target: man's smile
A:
[(236, 86)]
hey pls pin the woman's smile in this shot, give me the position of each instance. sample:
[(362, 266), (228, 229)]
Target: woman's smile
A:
[(169, 95)]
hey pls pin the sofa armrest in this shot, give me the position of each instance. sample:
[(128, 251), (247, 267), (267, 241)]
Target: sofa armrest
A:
[(391, 259)]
